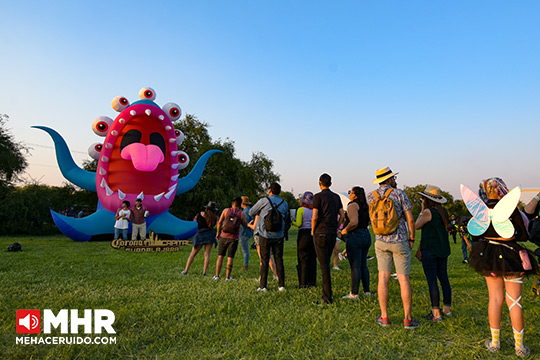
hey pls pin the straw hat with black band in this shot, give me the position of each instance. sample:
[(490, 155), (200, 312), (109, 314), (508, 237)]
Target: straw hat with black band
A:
[(433, 193), (383, 174)]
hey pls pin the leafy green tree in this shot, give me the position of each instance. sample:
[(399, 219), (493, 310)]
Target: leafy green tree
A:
[(454, 207), (225, 175), (12, 154)]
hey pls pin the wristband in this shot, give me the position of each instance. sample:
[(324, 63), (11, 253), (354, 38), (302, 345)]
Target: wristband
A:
[(537, 198)]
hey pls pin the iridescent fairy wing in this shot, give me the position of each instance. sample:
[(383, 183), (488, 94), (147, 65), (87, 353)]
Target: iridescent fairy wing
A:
[(480, 212), (502, 211)]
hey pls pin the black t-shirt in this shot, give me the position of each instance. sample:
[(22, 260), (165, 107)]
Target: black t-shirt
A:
[(327, 204)]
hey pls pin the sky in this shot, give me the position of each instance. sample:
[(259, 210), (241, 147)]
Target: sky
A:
[(442, 92)]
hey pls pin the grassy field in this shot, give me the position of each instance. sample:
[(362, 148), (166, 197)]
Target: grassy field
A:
[(163, 315)]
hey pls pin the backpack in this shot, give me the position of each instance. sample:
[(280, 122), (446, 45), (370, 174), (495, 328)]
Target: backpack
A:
[(273, 221), (231, 224), (534, 231), (15, 247), (383, 214)]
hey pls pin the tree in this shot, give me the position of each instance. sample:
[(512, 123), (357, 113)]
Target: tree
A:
[(12, 154), (225, 175)]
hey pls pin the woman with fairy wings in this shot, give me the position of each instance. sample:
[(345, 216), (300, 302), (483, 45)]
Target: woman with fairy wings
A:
[(498, 226)]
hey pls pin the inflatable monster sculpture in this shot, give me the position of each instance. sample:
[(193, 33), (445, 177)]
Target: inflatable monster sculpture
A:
[(138, 159)]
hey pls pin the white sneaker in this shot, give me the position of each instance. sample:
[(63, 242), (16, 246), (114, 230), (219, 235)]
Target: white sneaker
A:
[(183, 273), (281, 288), (215, 277), (340, 257), (229, 278), (367, 294), (336, 268), (275, 277), (350, 296), (261, 290)]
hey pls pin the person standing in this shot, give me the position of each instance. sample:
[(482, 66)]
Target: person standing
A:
[(324, 226), (392, 243), (358, 241), (452, 227), (307, 259), (435, 249), (503, 263), (228, 233), (271, 233), (122, 217), (245, 231), (205, 237), (140, 213)]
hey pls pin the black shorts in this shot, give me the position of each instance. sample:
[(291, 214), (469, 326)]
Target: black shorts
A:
[(227, 246)]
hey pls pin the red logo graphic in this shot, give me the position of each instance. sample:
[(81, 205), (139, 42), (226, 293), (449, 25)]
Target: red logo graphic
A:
[(28, 321)]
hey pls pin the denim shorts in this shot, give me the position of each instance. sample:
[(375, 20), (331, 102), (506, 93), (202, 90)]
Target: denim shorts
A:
[(398, 253)]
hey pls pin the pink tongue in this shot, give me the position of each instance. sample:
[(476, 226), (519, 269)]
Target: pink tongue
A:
[(144, 157)]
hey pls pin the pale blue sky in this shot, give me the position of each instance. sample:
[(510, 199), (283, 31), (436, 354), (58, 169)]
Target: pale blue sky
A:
[(444, 93)]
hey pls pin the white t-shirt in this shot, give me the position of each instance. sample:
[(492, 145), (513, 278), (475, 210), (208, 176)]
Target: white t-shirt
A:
[(123, 223)]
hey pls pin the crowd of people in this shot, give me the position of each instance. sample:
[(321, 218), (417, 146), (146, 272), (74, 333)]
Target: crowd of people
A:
[(321, 221)]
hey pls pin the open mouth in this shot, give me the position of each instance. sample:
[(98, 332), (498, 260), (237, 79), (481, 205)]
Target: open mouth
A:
[(139, 156)]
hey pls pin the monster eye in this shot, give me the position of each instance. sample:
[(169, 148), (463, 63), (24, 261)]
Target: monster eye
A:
[(173, 111), (101, 125), (179, 136), (119, 103), (147, 93), (183, 160), (94, 150)]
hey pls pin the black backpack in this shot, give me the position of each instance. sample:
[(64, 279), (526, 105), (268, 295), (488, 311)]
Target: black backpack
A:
[(231, 224), (534, 231), (15, 247), (273, 221)]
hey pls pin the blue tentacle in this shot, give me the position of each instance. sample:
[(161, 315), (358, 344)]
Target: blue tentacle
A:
[(188, 182), (74, 174)]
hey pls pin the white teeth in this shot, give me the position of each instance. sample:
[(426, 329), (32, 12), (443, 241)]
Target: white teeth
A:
[(159, 196), (121, 195), (114, 133), (108, 191), (168, 128), (121, 121), (102, 171), (133, 112), (103, 183), (108, 145), (104, 158), (148, 112), (175, 153), (171, 140), (168, 195), (172, 188), (161, 117), (140, 196), (175, 166), (175, 177)]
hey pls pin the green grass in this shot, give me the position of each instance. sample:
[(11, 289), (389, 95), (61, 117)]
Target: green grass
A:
[(162, 315)]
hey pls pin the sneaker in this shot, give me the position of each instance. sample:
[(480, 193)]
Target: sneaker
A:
[(431, 317), (281, 288), (183, 273), (350, 296), (465, 262), (261, 290), (382, 321), (367, 294), (275, 277), (244, 268), (370, 257), (215, 277), (491, 347), (336, 268), (446, 314), (229, 278), (410, 324), (340, 257), (522, 352)]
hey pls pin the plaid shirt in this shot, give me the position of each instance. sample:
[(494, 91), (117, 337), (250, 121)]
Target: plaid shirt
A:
[(402, 204)]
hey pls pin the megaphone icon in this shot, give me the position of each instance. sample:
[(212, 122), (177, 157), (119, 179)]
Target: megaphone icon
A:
[(25, 321)]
